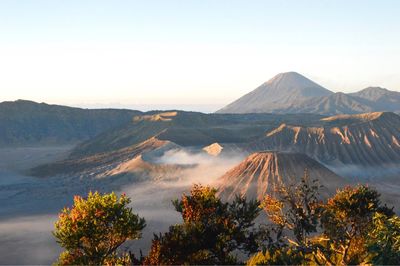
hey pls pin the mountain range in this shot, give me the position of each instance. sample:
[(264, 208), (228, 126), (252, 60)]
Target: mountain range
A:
[(307, 126), (25, 123), (293, 93), (188, 129), (358, 142)]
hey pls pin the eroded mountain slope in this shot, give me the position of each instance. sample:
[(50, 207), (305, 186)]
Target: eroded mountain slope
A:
[(262, 173), (365, 139)]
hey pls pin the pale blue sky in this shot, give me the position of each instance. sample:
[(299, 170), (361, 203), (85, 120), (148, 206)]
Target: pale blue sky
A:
[(183, 53)]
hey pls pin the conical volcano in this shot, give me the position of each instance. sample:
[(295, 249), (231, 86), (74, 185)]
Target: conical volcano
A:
[(262, 173), (280, 92)]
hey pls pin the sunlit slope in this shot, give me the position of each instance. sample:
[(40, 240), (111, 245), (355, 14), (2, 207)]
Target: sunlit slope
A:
[(263, 173), (365, 139)]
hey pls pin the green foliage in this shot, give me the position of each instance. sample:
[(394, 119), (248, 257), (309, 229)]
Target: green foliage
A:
[(294, 212), (350, 210), (346, 219), (211, 231), (355, 228), (383, 241), (278, 256), (93, 229), (295, 207)]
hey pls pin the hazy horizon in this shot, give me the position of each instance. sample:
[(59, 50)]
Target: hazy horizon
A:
[(191, 53)]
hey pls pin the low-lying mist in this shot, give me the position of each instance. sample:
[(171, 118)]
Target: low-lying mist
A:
[(28, 240), (33, 204), (153, 199), (361, 173)]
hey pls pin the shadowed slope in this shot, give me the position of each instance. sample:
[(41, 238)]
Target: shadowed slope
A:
[(30, 123)]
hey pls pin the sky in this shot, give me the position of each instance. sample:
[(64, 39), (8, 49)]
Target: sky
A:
[(199, 55)]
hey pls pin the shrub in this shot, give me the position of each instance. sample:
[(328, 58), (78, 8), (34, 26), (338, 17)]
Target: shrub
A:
[(93, 229), (211, 230)]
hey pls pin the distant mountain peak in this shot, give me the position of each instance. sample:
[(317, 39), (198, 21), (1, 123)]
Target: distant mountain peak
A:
[(372, 92), (292, 79), (284, 75), (291, 92), (380, 98), (291, 74), (374, 88), (277, 93)]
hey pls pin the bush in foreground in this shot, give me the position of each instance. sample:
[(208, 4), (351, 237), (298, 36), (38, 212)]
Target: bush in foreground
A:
[(210, 233), (93, 229), (352, 227)]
